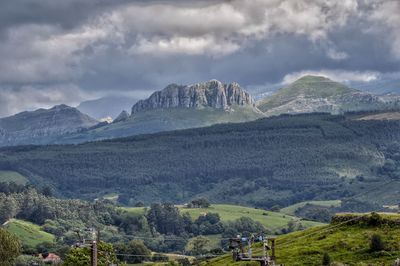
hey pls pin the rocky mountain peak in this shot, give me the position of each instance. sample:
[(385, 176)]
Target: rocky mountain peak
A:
[(212, 93), (123, 116)]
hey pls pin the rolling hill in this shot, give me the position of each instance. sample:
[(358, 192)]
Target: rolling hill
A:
[(279, 160), (273, 221), (30, 234), (346, 243), (11, 176), (319, 94)]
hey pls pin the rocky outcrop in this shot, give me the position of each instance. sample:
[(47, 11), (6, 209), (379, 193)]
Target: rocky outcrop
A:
[(208, 94), (123, 116)]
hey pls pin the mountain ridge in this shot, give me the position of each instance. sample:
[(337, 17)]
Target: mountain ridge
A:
[(191, 106), (319, 94), (34, 127)]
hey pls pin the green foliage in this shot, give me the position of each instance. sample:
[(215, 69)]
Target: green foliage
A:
[(375, 219), (376, 243), (10, 247), (30, 234), (24, 260), (291, 210), (259, 165), (326, 259), (166, 219), (315, 213), (348, 244), (199, 203), (197, 245), (135, 251), (273, 221), (81, 256)]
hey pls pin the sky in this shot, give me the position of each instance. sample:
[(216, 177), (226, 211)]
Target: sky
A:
[(69, 51)]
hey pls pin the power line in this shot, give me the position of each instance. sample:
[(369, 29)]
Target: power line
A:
[(321, 230)]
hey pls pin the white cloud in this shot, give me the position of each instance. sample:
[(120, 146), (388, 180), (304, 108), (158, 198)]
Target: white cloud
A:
[(45, 53), (14, 100), (40, 53), (336, 75), (184, 45), (387, 13), (225, 27), (335, 55)]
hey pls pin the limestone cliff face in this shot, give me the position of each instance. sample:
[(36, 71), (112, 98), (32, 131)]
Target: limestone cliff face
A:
[(208, 94)]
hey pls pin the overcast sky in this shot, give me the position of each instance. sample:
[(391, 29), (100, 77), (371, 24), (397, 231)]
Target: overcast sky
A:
[(67, 51)]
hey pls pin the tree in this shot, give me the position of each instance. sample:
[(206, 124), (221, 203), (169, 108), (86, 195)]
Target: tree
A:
[(166, 218), (326, 259), (10, 247), (8, 208), (199, 203), (275, 208), (197, 245), (135, 247), (376, 243), (81, 256), (47, 191), (24, 260)]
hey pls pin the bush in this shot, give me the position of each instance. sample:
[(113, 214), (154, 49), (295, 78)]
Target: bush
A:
[(375, 219), (376, 243), (326, 259)]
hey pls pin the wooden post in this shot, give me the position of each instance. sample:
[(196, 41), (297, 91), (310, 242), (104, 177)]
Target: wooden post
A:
[(94, 253)]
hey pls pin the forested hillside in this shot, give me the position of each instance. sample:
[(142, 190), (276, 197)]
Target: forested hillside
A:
[(280, 160)]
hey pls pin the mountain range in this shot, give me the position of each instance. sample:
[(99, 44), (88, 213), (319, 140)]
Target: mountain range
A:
[(185, 106)]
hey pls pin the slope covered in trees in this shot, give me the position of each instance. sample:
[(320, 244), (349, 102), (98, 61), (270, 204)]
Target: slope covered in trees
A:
[(280, 160)]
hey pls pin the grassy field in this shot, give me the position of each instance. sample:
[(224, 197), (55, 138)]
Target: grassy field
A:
[(271, 220), (345, 243), (290, 210), (11, 176), (30, 234)]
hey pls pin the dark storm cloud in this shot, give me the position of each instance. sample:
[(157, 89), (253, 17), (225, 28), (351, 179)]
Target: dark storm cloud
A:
[(96, 47)]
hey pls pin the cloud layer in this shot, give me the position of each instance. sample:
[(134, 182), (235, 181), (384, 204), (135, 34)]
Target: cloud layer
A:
[(86, 49)]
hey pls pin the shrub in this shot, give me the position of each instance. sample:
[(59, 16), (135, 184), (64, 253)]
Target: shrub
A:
[(326, 259), (375, 219), (376, 243)]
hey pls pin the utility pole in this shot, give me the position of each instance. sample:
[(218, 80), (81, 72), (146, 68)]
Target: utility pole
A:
[(93, 257)]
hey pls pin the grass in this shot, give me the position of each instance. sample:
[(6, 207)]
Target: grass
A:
[(271, 220), (291, 210), (345, 243), (11, 176), (30, 234)]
